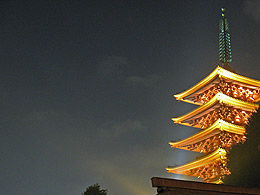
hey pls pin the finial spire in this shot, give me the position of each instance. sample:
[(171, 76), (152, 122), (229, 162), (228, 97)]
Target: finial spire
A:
[(224, 41)]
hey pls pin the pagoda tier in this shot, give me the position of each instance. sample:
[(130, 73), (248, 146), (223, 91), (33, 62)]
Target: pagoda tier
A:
[(222, 80), (226, 102), (210, 167), (220, 134), (222, 107)]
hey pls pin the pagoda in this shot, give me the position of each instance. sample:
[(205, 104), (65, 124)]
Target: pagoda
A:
[(226, 101)]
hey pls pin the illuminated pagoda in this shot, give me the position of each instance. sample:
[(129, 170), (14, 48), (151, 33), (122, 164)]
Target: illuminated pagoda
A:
[(226, 101)]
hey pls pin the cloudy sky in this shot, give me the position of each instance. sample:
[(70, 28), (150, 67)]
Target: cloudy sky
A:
[(86, 88)]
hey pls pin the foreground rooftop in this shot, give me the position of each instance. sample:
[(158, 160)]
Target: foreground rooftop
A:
[(166, 186)]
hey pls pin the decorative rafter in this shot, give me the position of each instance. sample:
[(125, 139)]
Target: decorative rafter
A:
[(220, 134), (209, 167), (220, 106), (213, 79)]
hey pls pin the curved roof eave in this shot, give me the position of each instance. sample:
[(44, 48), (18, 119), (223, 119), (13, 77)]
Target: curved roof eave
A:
[(219, 125), (218, 98), (221, 72), (217, 155)]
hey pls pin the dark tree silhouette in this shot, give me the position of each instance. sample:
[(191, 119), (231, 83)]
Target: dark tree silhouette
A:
[(244, 159), (94, 190)]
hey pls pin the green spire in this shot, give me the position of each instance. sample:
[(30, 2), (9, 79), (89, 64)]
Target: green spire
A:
[(224, 41)]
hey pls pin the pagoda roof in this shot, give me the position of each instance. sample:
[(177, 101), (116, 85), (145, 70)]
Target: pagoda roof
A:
[(216, 128), (213, 78), (211, 105), (217, 155)]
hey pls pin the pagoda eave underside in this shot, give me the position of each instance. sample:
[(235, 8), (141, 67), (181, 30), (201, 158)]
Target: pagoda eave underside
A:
[(218, 155), (218, 100), (214, 78), (218, 127), (190, 98)]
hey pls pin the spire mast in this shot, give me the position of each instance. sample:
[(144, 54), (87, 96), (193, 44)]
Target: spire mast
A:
[(224, 42)]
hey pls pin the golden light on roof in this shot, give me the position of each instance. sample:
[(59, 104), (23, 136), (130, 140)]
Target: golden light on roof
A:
[(214, 129), (218, 155), (219, 72), (221, 99), (219, 181)]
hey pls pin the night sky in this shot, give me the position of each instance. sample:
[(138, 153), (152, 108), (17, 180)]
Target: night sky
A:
[(86, 88)]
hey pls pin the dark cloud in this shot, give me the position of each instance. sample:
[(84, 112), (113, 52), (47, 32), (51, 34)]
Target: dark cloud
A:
[(148, 81), (112, 66), (115, 129)]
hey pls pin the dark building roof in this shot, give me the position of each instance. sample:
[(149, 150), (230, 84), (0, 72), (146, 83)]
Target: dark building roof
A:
[(167, 186)]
